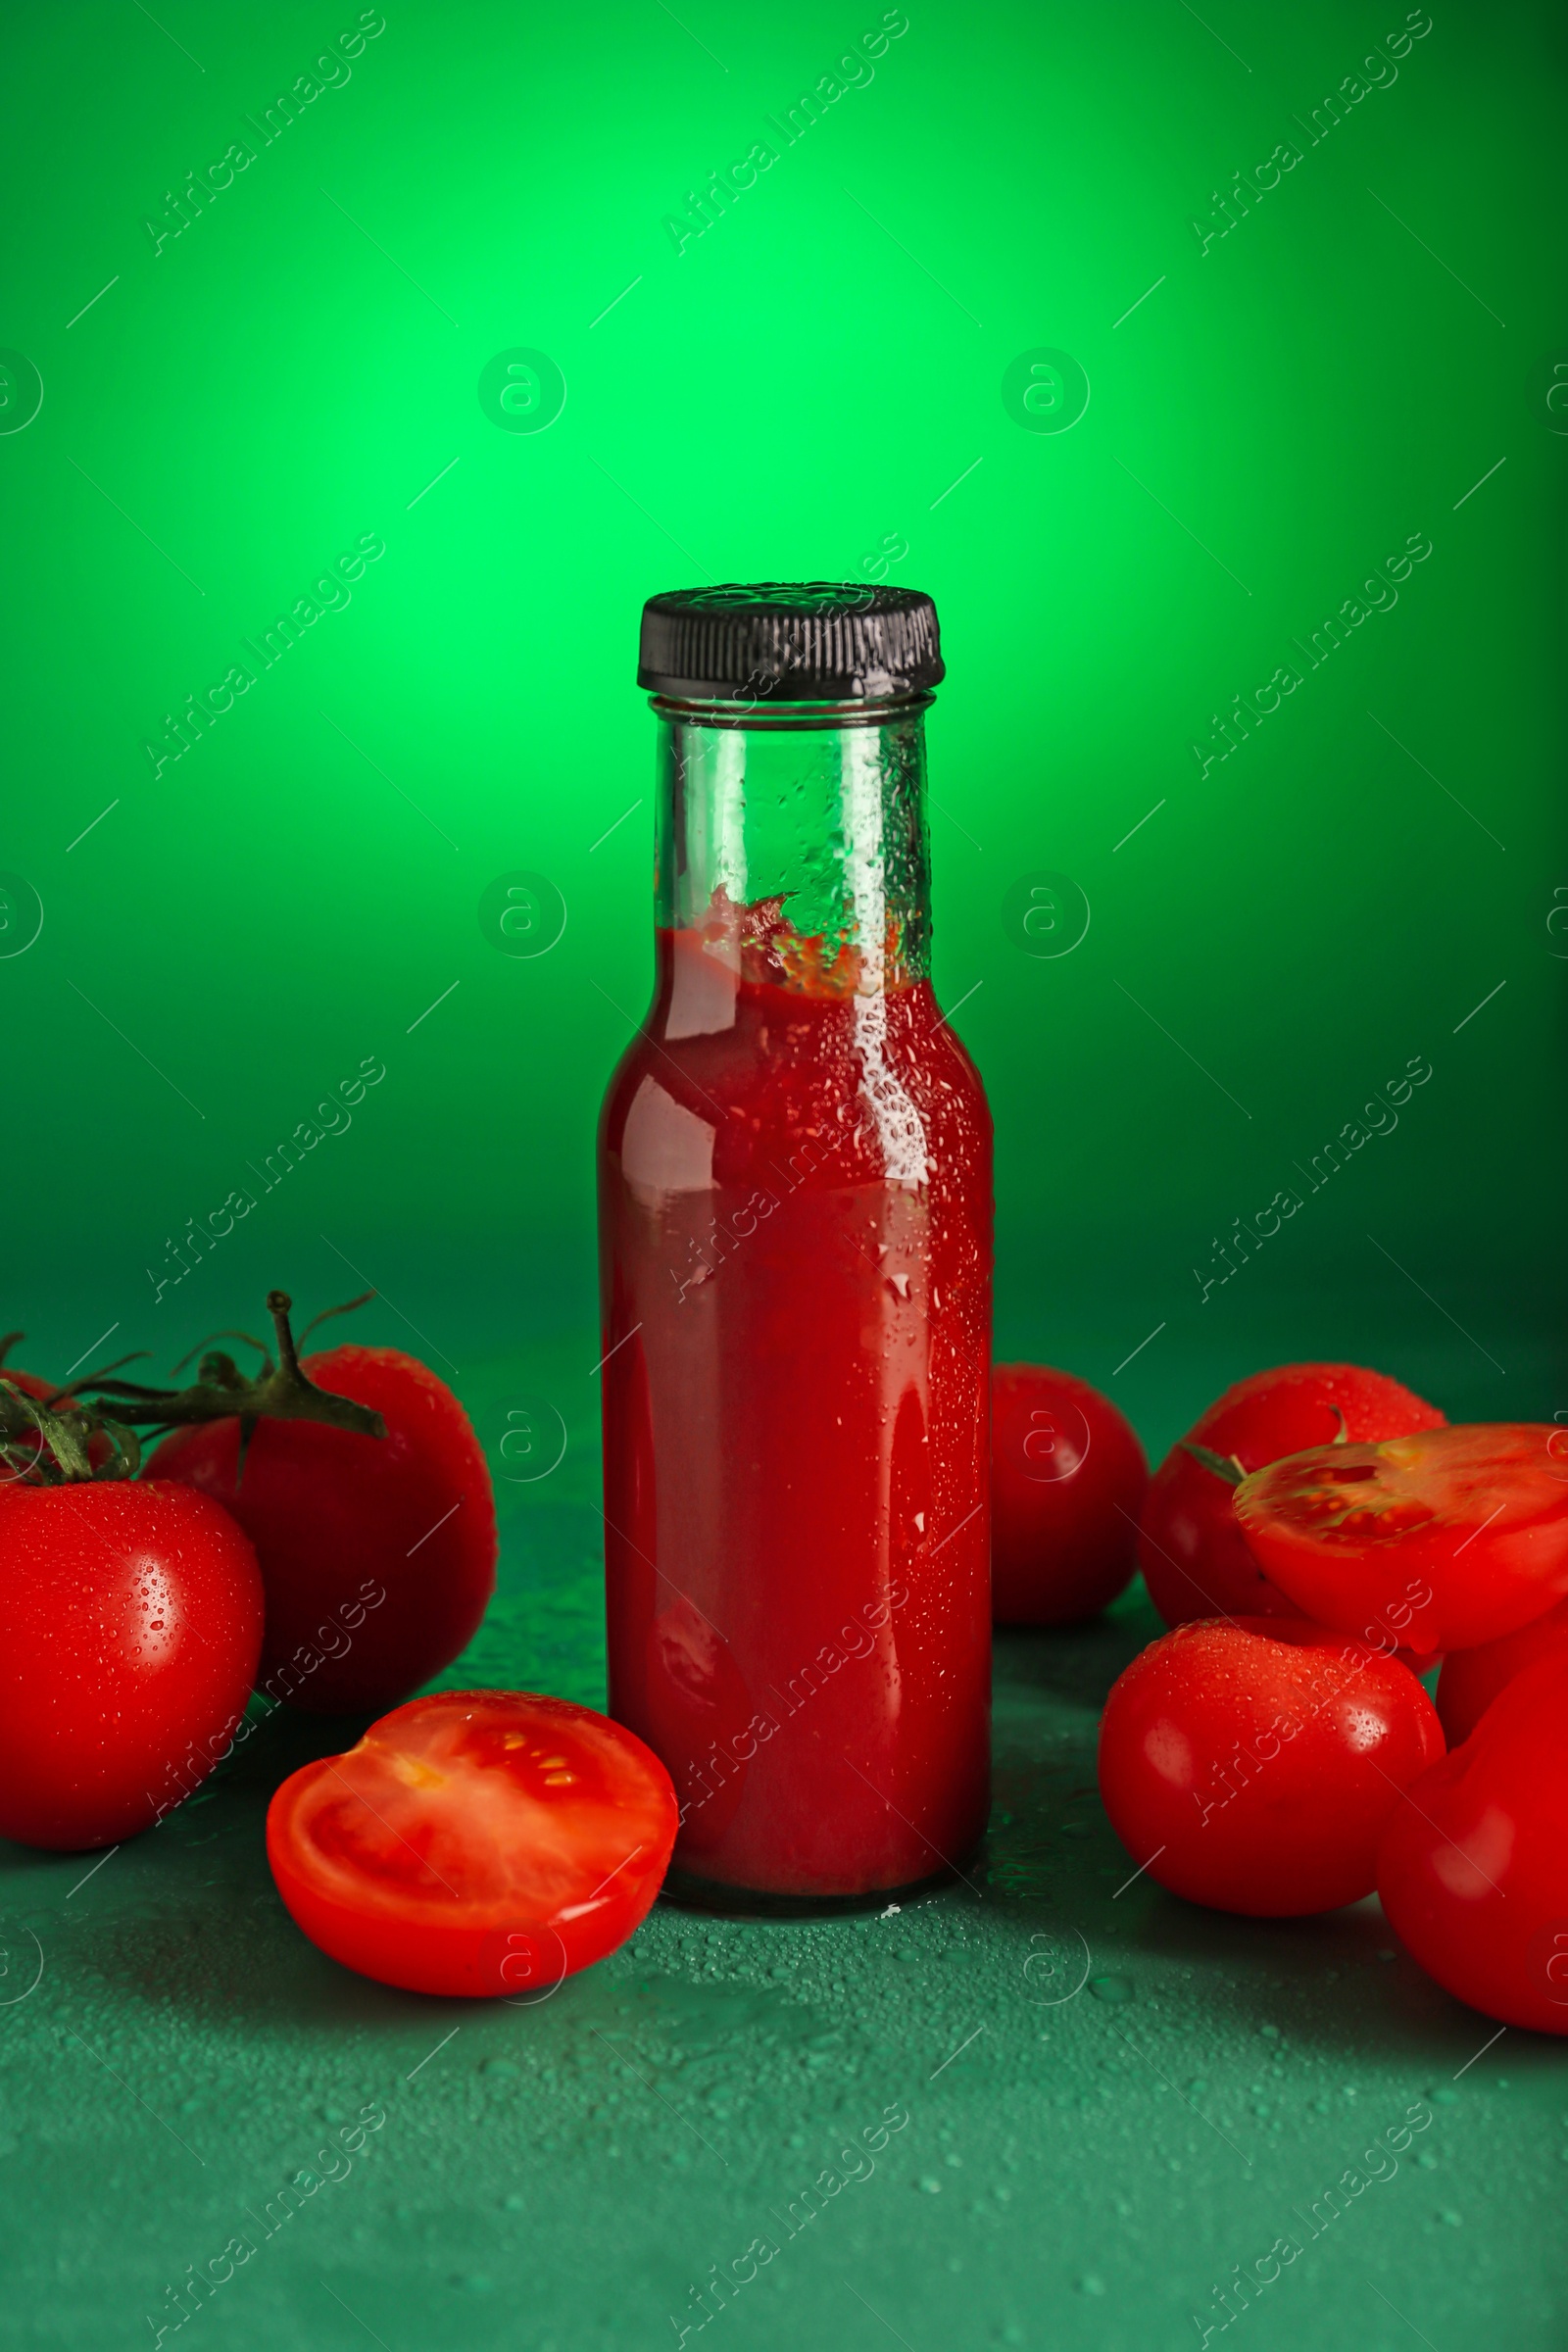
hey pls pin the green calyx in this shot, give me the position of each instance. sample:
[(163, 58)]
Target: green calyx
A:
[(1223, 1465), (1226, 1465), (50, 1442), (51, 1448)]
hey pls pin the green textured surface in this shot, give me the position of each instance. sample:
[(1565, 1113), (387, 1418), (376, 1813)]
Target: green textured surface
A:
[(1082, 2172)]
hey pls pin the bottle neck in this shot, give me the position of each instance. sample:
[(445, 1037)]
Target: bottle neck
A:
[(791, 852)]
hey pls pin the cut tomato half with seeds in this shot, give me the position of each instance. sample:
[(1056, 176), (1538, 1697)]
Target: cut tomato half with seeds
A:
[(479, 1842), (1434, 1542), (1190, 1547)]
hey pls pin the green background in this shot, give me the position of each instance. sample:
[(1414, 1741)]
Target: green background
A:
[(812, 388)]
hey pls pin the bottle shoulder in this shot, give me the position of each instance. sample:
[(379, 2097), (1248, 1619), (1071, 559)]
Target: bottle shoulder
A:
[(861, 1090)]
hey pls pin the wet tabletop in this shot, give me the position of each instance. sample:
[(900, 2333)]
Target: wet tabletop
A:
[(1047, 2105)]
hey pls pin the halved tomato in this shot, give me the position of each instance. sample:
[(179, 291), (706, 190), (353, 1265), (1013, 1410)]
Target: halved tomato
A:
[(479, 1842), (1189, 1549), (1438, 1541)]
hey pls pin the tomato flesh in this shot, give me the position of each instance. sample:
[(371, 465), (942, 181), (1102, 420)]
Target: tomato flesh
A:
[(1473, 1870), (131, 1622), (1068, 1481), (379, 1554), (1191, 1551), (1249, 1764), (476, 1842), (1439, 1540)]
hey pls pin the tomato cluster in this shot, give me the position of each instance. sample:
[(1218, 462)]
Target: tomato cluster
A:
[(1319, 1533), (325, 1533), (332, 1543), (1320, 1539)]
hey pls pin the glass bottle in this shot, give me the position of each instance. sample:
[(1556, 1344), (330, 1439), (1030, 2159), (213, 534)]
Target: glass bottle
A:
[(794, 1225)]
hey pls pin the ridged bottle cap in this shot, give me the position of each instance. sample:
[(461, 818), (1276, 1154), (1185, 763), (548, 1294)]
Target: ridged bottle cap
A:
[(790, 640)]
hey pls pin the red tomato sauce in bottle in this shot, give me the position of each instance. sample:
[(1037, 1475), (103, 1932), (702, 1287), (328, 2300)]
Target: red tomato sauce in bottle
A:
[(795, 1216)]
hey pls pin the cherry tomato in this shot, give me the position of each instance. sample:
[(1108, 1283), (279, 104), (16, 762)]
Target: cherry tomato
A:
[(1251, 1763), (130, 1624), (1473, 1870), (1472, 1678), (477, 1842), (1067, 1483), (1192, 1554), (1444, 1540), (379, 1554)]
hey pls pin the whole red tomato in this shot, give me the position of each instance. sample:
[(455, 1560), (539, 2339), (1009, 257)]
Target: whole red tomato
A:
[(130, 1623), (379, 1554), (1473, 1870), (1067, 1483), (1192, 1553), (477, 1842), (1472, 1678), (1441, 1541), (1251, 1763)]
